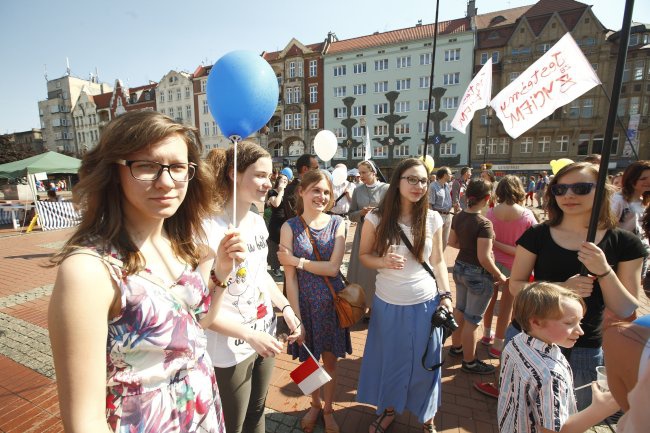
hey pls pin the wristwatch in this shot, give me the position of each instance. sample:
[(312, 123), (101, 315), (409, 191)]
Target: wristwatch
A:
[(301, 263)]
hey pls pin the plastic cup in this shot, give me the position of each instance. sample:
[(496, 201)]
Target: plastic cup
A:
[(601, 379), (400, 250)]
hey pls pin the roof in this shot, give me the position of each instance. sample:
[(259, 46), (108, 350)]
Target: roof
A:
[(415, 33), (292, 51), (492, 20), (548, 7), (50, 162), (103, 100)]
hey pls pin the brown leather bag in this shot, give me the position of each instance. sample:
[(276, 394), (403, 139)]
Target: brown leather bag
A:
[(349, 303)]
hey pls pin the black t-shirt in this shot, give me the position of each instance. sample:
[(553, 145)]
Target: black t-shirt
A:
[(277, 217), (556, 264), (289, 200)]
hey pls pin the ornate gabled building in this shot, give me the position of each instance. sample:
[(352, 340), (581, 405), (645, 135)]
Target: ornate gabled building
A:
[(211, 135), (299, 114), (515, 38), (175, 97)]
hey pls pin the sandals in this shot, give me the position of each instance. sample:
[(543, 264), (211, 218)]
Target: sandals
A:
[(377, 423), (330, 429), (307, 425)]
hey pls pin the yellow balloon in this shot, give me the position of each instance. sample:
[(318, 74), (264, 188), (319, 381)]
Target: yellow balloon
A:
[(557, 164), (428, 162)]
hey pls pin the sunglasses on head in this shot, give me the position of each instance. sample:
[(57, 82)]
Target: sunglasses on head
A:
[(580, 188)]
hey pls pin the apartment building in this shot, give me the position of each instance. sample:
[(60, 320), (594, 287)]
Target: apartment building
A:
[(55, 112), (381, 82), (514, 39), (299, 114), (175, 97), (211, 135)]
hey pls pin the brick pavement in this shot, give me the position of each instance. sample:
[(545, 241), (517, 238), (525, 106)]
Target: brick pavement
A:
[(28, 401)]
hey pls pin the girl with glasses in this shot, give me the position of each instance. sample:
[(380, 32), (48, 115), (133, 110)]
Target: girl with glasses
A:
[(392, 376), (133, 293), (556, 251)]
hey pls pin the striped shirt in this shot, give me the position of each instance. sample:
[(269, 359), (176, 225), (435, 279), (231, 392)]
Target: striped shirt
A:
[(536, 387)]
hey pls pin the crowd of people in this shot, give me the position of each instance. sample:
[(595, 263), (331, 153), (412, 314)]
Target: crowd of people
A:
[(172, 325)]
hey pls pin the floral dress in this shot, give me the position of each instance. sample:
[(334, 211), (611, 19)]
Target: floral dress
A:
[(159, 376), (316, 304)]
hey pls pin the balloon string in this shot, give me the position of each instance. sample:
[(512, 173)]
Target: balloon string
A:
[(234, 185)]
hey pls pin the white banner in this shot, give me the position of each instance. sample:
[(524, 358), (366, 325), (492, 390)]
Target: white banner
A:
[(476, 96), (555, 79), (632, 135), (367, 153)]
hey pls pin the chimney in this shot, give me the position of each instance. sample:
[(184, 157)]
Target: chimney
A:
[(471, 9)]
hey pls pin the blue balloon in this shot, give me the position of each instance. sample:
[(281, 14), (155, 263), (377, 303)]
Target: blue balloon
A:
[(643, 321), (242, 93), (288, 173)]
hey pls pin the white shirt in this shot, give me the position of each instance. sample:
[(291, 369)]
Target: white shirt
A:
[(246, 300), (343, 205), (413, 284)]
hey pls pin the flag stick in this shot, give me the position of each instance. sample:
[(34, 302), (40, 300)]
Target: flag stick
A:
[(611, 119), (433, 68)]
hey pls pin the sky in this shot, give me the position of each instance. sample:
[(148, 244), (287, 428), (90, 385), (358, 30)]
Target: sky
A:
[(141, 40)]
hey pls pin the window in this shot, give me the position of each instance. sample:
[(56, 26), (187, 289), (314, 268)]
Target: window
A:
[(170, 96), (359, 68), (180, 113), (622, 107), (296, 95), (484, 58), (404, 62), (452, 55), (402, 106), (495, 57), (587, 108), (341, 112), (359, 89), (597, 144), (449, 103), (380, 152), (403, 84), (425, 59), (626, 72), (188, 112), (357, 131), (300, 71), (424, 82), (204, 83), (544, 144), (521, 51), (563, 144), (381, 86), (445, 126), (637, 72), (288, 121), (339, 70), (276, 126), (162, 111), (542, 48), (339, 92), (341, 133), (451, 79), (526, 145), (171, 112), (313, 68), (381, 65), (215, 129), (277, 149), (504, 145), (448, 149), (313, 94), (292, 69), (206, 108), (380, 130), (178, 94), (422, 127), (206, 128), (187, 91), (401, 150), (357, 152), (402, 128), (634, 39), (634, 105), (574, 109), (288, 92), (358, 110), (583, 144), (297, 121), (162, 96), (381, 108), (513, 76), (313, 120)]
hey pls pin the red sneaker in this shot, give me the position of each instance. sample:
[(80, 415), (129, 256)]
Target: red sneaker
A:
[(486, 341), (494, 353), (487, 388)]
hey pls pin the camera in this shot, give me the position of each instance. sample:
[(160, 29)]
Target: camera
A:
[(443, 318)]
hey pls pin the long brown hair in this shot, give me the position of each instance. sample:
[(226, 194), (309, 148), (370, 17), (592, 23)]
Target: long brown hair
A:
[(221, 161), (630, 176), (99, 196), (389, 209), (308, 179), (606, 219)]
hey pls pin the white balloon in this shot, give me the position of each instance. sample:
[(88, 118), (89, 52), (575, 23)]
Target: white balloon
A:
[(339, 175), (325, 145)]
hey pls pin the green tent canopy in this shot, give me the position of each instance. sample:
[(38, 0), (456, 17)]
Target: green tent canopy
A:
[(50, 162)]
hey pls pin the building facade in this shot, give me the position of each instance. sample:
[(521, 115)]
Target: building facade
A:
[(175, 98), (211, 135)]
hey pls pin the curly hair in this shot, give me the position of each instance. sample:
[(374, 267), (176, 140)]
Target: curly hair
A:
[(630, 176)]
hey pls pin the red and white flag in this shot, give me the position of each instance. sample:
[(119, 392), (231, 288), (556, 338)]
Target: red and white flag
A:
[(309, 375), (555, 79), (476, 96)]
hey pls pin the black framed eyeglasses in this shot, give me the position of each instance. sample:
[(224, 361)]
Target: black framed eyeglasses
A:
[(414, 180), (580, 188), (151, 170)]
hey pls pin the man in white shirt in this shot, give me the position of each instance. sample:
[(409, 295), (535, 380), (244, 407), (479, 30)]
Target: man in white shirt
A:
[(342, 196)]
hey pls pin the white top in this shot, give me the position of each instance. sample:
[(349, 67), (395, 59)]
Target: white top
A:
[(343, 206), (246, 300), (631, 221), (413, 284)]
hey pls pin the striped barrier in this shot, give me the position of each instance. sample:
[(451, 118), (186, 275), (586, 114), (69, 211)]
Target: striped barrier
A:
[(56, 215)]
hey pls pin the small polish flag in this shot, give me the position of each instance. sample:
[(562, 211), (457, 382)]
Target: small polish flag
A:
[(309, 376)]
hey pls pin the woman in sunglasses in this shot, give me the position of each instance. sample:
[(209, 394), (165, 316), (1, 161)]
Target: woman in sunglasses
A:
[(556, 251), (132, 298)]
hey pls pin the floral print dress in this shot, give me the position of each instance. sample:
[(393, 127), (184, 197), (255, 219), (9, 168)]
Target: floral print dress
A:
[(159, 375)]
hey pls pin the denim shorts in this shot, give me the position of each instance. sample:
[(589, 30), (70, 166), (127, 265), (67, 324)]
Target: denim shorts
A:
[(474, 288)]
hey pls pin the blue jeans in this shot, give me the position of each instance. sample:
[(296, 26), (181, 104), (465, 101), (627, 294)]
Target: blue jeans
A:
[(474, 287), (583, 361)]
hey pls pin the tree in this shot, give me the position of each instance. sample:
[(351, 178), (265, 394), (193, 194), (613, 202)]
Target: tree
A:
[(10, 151)]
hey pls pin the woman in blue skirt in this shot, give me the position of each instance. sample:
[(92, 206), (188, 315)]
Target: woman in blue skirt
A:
[(393, 377)]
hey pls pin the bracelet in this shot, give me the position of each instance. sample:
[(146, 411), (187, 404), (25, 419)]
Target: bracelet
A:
[(446, 295), (283, 308), (605, 274), (215, 280)]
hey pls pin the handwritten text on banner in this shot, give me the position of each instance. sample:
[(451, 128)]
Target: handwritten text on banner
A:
[(476, 96)]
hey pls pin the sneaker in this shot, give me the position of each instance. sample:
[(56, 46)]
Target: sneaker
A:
[(455, 351), (494, 353), (487, 388), (486, 341), (477, 367)]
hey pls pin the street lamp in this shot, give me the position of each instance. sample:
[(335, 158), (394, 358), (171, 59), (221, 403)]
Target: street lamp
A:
[(488, 117)]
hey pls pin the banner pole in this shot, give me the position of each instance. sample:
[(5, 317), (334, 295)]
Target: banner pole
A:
[(624, 38)]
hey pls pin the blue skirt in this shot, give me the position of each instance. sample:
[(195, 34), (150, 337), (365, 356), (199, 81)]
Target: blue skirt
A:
[(391, 370)]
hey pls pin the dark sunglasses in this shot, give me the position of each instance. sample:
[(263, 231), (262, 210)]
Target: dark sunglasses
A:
[(580, 188)]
